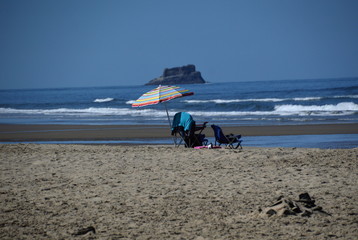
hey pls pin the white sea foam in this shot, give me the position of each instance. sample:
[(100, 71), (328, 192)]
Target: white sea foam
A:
[(86, 112), (305, 99), (102, 100), (346, 96), (340, 109), (344, 106), (223, 101)]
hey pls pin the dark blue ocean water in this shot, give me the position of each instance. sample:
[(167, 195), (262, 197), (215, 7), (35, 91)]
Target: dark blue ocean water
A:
[(243, 103)]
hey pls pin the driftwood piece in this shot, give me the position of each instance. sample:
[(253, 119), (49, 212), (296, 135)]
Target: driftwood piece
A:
[(84, 231)]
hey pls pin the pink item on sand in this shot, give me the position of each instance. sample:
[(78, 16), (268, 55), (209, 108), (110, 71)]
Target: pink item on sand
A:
[(201, 147)]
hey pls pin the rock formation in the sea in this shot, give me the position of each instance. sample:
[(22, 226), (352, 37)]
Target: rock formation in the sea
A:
[(178, 75)]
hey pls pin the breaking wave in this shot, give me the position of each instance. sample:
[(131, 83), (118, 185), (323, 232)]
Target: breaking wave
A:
[(102, 100), (223, 101), (340, 107), (344, 108), (92, 111)]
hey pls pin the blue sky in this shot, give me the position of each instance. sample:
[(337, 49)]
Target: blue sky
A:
[(77, 43)]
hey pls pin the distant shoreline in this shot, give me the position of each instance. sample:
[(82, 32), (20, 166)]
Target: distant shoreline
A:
[(48, 132)]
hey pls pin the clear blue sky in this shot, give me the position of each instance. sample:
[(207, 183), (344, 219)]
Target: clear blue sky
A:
[(75, 43)]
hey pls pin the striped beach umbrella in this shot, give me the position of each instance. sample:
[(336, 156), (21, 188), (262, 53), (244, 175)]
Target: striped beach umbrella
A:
[(161, 94)]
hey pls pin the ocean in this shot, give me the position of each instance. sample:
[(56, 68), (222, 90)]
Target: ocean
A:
[(232, 103)]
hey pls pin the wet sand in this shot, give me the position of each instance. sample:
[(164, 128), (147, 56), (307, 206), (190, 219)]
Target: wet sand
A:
[(161, 192), (13, 132)]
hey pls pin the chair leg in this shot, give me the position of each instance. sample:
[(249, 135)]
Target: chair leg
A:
[(179, 140), (239, 145), (232, 144)]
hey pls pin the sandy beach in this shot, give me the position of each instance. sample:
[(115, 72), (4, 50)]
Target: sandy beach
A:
[(162, 192)]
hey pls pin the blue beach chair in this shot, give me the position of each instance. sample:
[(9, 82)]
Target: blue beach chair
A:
[(228, 140)]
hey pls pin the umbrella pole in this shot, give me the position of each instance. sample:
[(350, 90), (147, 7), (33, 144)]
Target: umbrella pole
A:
[(166, 109), (170, 123)]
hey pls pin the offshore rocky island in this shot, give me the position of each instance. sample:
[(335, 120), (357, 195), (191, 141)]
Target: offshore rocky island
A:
[(178, 75)]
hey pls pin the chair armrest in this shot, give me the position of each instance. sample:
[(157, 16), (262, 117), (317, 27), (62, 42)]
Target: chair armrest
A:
[(200, 127)]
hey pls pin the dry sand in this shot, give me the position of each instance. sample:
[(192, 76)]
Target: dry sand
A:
[(162, 192)]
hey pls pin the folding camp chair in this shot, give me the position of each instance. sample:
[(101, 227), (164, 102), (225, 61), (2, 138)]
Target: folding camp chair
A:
[(228, 140), (184, 129)]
